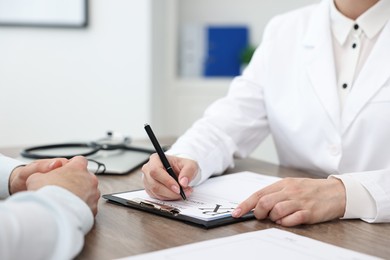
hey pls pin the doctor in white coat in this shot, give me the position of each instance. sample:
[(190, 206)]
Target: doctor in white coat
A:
[(320, 84)]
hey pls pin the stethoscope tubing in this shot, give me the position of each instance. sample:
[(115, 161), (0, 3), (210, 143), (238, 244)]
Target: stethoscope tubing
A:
[(95, 147), (29, 152)]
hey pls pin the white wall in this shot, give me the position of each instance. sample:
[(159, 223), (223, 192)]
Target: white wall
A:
[(186, 99), (74, 84), (255, 13)]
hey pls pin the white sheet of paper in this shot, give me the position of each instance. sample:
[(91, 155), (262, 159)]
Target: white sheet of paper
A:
[(215, 198), (264, 244)]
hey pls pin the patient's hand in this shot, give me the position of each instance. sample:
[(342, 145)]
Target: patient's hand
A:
[(19, 176)]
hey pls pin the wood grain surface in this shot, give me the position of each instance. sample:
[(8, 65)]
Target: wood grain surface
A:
[(120, 231)]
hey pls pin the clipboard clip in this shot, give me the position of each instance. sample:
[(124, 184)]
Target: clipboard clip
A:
[(155, 205)]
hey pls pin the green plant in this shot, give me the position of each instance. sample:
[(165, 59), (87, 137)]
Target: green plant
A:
[(246, 54)]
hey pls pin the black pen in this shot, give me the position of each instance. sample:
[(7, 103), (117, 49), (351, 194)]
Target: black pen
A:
[(163, 158)]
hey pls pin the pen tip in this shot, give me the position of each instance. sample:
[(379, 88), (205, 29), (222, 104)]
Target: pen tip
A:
[(146, 124)]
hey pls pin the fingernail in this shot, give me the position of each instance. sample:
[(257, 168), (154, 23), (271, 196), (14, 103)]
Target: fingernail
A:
[(51, 165), (188, 191), (184, 181), (175, 189), (236, 212)]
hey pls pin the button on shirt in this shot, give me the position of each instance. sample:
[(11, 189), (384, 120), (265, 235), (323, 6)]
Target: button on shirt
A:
[(353, 42)]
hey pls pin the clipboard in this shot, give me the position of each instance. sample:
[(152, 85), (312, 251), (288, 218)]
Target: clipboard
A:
[(173, 212), (210, 205)]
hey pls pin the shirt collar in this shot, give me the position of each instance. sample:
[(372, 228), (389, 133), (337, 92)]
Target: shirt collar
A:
[(370, 22)]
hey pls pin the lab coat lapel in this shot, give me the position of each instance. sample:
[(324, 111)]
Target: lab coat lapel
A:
[(374, 74), (319, 61)]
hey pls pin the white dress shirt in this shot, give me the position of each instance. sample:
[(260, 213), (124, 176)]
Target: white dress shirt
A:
[(291, 89), (46, 224), (353, 42)]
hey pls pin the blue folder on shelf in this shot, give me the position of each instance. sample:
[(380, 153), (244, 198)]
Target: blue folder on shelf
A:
[(224, 46)]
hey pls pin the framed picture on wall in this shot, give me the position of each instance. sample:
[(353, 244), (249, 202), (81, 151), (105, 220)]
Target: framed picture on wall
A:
[(44, 13)]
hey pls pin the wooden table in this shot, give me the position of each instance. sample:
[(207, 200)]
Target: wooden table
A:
[(121, 231)]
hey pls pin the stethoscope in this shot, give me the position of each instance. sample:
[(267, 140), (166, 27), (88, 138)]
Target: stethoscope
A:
[(109, 143)]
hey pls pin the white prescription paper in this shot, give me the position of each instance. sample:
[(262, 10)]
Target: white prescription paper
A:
[(264, 244), (216, 198)]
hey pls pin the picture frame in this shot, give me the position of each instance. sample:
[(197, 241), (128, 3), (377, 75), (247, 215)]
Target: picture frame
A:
[(44, 13)]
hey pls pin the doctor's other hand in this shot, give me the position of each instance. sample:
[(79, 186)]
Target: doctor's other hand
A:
[(295, 201), (73, 176), (18, 177), (159, 184)]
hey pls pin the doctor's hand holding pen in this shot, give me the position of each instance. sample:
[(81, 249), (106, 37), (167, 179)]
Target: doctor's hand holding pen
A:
[(159, 184)]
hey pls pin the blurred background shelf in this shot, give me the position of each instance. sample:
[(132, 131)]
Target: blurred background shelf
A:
[(185, 99)]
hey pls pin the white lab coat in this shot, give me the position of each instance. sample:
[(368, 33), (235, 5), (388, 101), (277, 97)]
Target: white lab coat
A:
[(289, 89)]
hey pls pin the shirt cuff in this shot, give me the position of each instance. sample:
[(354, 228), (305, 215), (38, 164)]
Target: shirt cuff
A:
[(7, 165), (359, 202)]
